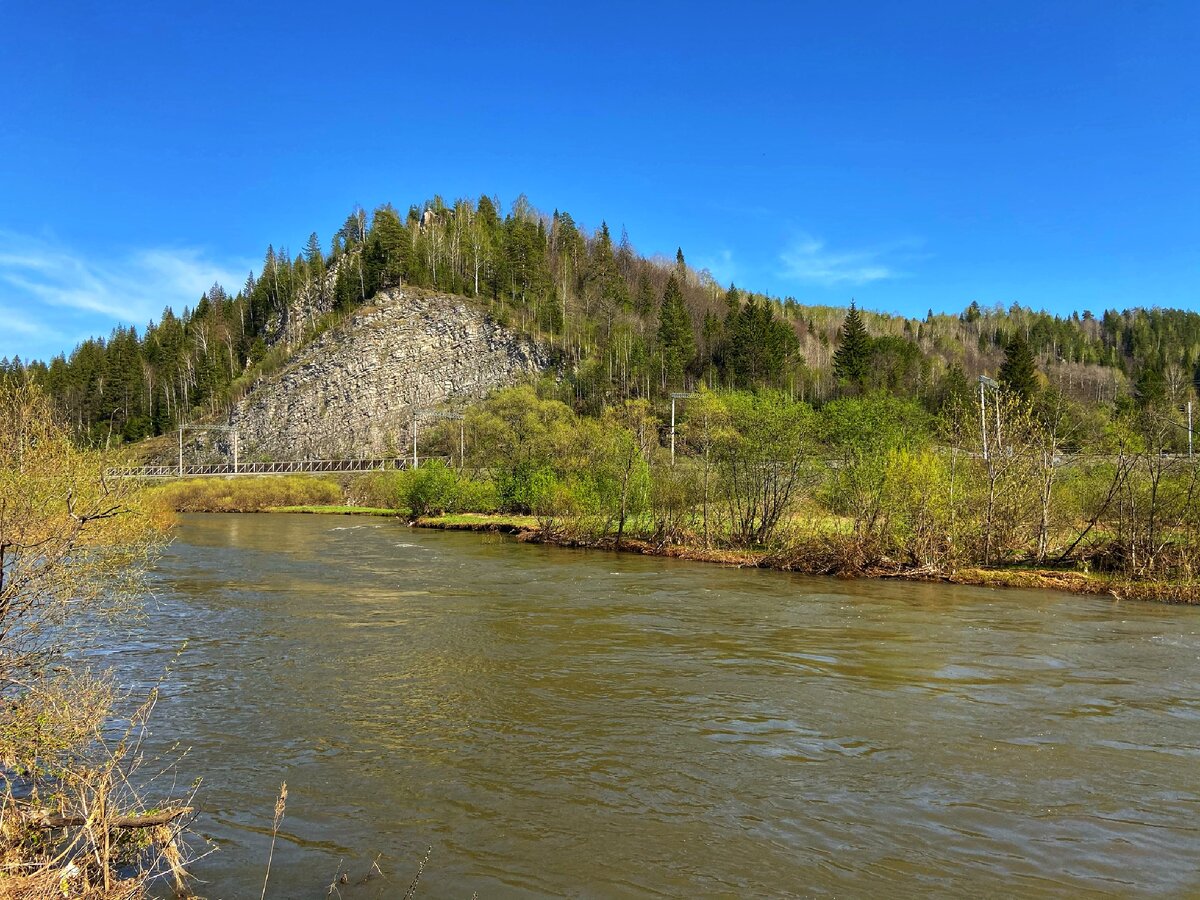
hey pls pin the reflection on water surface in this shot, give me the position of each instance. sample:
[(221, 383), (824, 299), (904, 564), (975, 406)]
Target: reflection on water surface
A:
[(565, 723)]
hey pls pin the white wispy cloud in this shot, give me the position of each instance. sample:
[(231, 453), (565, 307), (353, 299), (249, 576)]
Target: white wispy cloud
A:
[(810, 260), (51, 294), (17, 321)]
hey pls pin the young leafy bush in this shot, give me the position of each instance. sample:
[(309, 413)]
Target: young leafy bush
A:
[(676, 494), (474, 495), (431, 489), (760, 451), (75, 546), (915, 518)]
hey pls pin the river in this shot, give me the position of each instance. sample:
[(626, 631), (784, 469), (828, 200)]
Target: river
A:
[(567, 723)]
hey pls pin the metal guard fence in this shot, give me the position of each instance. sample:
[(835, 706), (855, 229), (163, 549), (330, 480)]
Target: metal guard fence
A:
[(289, 467)]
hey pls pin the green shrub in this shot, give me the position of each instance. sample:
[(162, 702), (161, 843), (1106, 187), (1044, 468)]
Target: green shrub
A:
[(429, 490), (432, 488), (382, 490), (476, 496)]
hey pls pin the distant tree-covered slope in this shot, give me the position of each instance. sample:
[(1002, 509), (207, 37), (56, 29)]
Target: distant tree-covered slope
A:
[(625, 325)]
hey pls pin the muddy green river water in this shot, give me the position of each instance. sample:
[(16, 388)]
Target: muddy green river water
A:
[(567, 723)]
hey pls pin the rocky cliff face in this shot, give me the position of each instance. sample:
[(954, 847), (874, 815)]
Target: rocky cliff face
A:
[(289, 324), (353, 391)]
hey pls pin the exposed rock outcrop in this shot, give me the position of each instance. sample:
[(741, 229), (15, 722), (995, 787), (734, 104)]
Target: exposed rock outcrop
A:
[(310, 303), (353, 391)]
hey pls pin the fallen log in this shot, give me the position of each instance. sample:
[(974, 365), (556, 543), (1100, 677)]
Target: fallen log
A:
[(46, 819)]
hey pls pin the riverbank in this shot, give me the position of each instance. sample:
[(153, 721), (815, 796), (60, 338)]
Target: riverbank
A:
[(526, 529), (312, 496)]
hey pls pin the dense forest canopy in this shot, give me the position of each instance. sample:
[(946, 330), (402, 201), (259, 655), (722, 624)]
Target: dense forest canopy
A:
[(625, 326)]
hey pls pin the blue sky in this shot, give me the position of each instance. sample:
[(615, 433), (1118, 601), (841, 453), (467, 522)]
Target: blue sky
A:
[(910, 155)]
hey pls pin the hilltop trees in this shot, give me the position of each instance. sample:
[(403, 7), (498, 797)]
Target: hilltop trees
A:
[(1018, 375), (852, 360), (676, 342), (759, 347), (625, 326)]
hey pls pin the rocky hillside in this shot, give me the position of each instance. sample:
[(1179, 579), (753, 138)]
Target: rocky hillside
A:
[(353, 391)]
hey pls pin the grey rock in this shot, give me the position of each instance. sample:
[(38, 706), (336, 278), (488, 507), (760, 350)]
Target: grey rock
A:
[(354, 390)]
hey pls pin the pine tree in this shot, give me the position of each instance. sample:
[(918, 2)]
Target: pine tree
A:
[(1150, 383), (759, 345), (645, 295), (852, 359), (676, 341), (486, 210), (603, 275), (387, 250), (733, 301), (1018, 374), (312, 250)]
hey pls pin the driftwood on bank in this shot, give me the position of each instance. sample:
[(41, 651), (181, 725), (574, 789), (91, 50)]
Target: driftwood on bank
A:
[(46, 819)]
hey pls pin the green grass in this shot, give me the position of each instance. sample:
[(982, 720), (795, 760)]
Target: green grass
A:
[(481, 519)]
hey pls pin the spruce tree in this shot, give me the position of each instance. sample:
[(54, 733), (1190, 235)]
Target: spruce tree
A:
[(604, 273), (759, 346), (645, 295), (1150, 383), (312, 250), (733, 300), (852, 359), (954, 390), (1018, 374), (675, 339)]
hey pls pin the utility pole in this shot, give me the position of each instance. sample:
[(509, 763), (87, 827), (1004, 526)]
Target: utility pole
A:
[(999, 437), (676, 396), (1189, 429), (180, 451), (419, 414), (984, 384), (983, 417), (235, 451)]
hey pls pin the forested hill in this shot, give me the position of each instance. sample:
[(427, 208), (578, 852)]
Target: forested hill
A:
[(623, 325)]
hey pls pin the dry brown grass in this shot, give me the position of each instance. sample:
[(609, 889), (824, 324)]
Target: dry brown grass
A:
[(247, 494), (74, 821)]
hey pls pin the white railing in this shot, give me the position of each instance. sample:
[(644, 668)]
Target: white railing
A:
[(289, 467)]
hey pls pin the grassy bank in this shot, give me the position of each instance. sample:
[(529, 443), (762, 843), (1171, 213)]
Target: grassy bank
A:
[(502, 522), (526, 529), (820, 555)]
